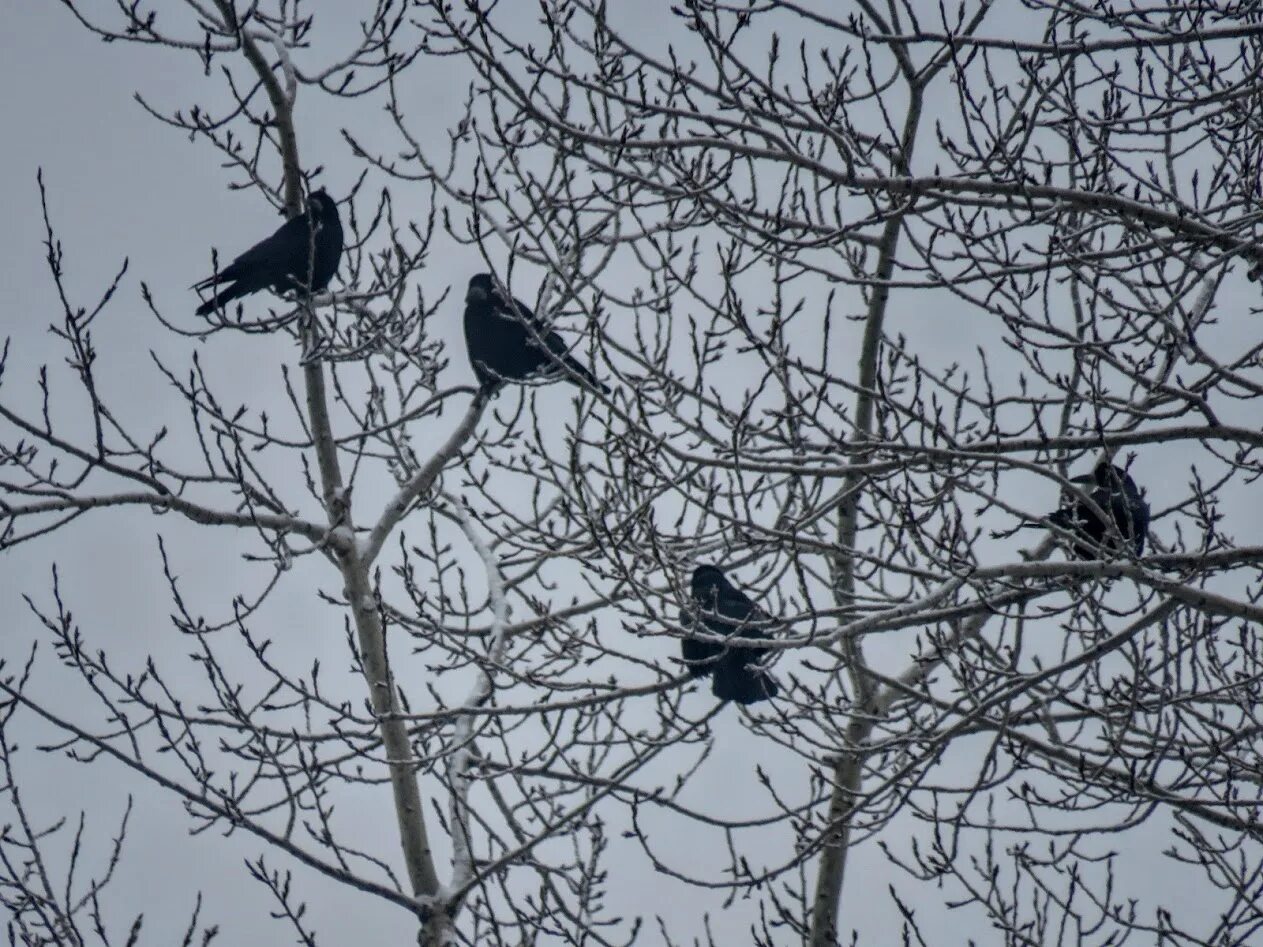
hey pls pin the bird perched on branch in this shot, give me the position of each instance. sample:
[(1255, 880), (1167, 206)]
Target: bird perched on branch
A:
[(297, 257), (723, 609), (506, 342), (1115, 494)]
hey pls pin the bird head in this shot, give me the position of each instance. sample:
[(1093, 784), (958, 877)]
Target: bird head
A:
[(482, 287), (322, 205), (1107, 477), (706, 579)]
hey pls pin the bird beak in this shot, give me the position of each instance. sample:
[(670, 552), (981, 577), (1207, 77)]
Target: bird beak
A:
[(476, 293), (1083, 478)]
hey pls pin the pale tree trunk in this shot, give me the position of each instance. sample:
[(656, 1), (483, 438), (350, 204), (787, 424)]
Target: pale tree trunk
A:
[(849, 765), (370, 633)]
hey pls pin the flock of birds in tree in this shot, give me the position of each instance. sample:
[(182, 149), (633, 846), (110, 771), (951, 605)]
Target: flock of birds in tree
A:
[(509, 343)]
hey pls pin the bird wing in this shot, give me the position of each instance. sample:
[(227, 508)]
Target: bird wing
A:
[(1064, 518), (293, 253), (736, 606), (514, 325), (519, 312), (543, 340), (549, 345), (699, 656), (713, 620), (557, 346), (329, 246), (744, 685), (1138, 515), (283, 252), (738, 674)]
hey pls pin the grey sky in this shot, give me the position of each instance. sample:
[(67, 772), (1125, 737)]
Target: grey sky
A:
[(120, 185)]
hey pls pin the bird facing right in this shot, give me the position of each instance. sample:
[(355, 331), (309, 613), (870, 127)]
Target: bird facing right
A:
[(509, 343), (723, 609), (1116, 495)]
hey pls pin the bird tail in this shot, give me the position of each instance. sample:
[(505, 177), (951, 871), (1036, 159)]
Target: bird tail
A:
[(215, 302), (1065, 518), (745, 685), (1024, 524), (700, 657), (585, 373)]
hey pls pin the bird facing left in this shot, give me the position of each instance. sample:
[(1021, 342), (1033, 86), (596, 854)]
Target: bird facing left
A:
[(509, 343), (297, 258)]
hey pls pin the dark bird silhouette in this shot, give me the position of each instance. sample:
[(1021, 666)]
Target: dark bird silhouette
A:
[(293, 258), (508, 345), (723, 609), (1114, 494)]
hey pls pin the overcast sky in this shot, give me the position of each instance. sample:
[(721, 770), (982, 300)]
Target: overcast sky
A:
[(120, 185)]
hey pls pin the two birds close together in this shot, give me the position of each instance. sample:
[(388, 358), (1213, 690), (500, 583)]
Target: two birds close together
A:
[(507, 342), (1110, 519)]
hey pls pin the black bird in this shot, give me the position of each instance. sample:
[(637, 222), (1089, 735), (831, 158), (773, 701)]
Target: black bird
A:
[(1115, 494), (724, 609), (293, 258), (507, 345)]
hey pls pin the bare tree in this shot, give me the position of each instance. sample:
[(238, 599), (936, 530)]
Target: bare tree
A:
[(870, 288)]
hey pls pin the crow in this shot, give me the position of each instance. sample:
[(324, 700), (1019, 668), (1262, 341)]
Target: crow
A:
[(1116, 495), (293, 258), (508, 343), (723, 609)]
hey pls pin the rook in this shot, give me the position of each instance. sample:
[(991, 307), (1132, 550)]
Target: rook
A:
[(1116, 495), (723, 609), (293, 258), (508, 343)]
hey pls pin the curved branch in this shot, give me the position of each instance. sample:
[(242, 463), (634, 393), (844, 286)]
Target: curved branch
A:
[(421, 481)]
